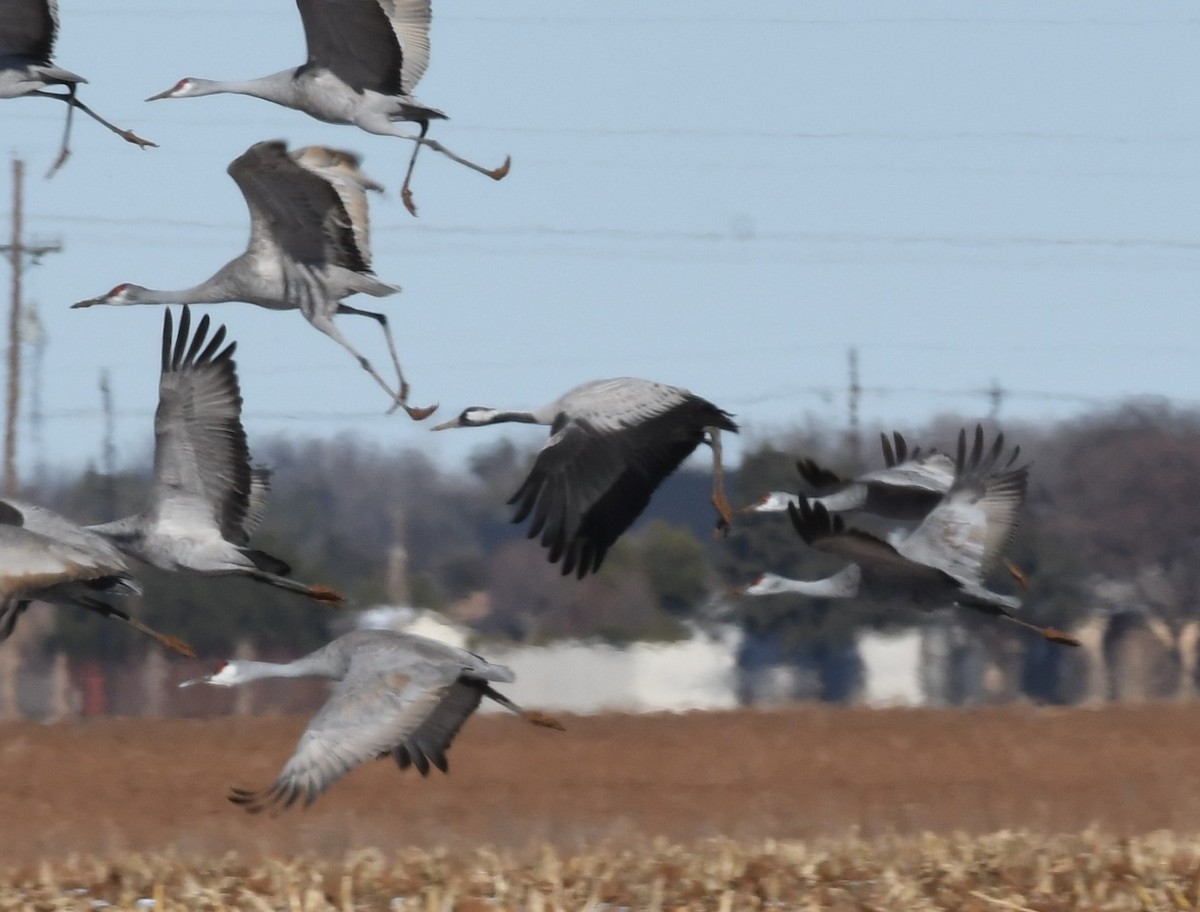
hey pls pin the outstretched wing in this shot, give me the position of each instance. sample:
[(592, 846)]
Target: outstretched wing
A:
[(968, 532), (201, 460), (340, 169), (293, 210), (410, 23), (610, 448), (31, 562), (826, 531), (375, 709), (355, 41)]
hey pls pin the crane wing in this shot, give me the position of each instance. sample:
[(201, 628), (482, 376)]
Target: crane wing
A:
[(596, 473), (28, 29), (59, 528), (256, 502), (31, 562), (374, 710), (201, 460), (293, 209), (966, 534), (827, 531), (354, 40), (340, 169), (410, 23)]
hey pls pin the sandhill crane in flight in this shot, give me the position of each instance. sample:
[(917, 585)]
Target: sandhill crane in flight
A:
[(910, 485), (308, 249), (945, 559), (907, 488), (46, 557), (205, 499), (27, 32), (612, 442), (398, 695), (365, 57)]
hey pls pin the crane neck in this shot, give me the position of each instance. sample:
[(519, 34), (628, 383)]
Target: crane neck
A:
[(315, 665), (277, 87)]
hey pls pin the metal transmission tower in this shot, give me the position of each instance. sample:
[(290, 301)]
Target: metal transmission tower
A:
[(17, 251)]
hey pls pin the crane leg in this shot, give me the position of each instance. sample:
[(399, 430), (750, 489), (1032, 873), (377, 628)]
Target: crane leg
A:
[(73, 102), (417, 414), (1053, 634), (326, 325), (498, 173), (318, 592), (163, 639), (405, 191), (719, 500)]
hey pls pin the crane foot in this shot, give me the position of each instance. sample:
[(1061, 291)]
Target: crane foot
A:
[(176, 645), (724, 514), (420, 414), (1057, 636), (1018, 574), (501, 172), (543, 720), (130, 137), (326, 594), (406, 197)]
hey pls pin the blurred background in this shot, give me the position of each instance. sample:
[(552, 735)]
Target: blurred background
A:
[(832, 220)]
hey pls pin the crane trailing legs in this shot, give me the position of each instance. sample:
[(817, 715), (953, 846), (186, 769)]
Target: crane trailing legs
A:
[(73, 102), (28, 29)]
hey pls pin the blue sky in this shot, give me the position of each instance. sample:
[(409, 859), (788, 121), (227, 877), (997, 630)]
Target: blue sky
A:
[(722, 196)]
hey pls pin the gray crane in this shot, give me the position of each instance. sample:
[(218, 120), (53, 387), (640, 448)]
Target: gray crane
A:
[(205, 498), (910, 485), (945, 559), (907, 488), (27, 32), (612, 443), (46, 557), (365, 57), (308, 249), (398, 695)]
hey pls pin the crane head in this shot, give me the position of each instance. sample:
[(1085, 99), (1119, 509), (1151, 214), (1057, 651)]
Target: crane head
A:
[(226, 674), (470, 417), (186, 88), (125, 293)]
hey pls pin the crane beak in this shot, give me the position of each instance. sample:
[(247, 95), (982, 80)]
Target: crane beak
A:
[(204, 680), (160, 95), (446, 425), (88, 303)]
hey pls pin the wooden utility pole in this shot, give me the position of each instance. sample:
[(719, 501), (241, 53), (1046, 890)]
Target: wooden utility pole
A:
[(17, 250)]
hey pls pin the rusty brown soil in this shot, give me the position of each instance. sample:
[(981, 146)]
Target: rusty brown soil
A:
[(112, 784)]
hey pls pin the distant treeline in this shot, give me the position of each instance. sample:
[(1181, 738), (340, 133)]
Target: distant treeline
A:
[(1112, 508)]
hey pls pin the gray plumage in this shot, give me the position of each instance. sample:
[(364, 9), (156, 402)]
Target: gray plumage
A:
[(365, 58), (397, 695), (205, 498), (612, 443), (908, 487), (947, 557), (28, 29), (308, 249), (47, 557)]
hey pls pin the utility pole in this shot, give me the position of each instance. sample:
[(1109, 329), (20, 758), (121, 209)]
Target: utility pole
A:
[(996, 397), (855, 392), (110, 462), (17, 250)]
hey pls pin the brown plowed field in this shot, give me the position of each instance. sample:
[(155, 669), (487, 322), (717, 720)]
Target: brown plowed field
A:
[(105, 785)]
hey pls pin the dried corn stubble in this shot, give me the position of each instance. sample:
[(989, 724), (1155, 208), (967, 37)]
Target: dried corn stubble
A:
[(1008, 870)]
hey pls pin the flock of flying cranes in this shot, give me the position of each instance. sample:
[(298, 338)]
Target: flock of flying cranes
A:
[(612, 442)]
